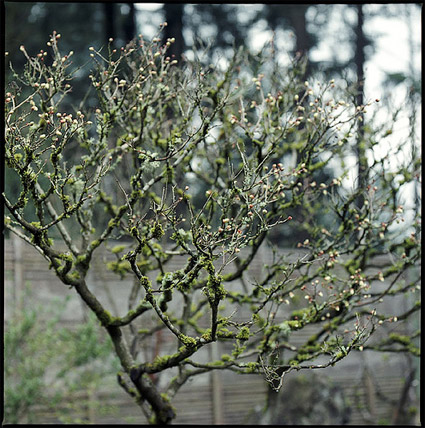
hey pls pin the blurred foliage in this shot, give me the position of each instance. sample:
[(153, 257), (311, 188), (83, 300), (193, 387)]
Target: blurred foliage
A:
[(296, 28), (44, 362)]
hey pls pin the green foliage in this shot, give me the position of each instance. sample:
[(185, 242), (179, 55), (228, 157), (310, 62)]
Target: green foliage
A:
[(85, 344), (24, 385), (45, 362), (120, 267), (243, 334)]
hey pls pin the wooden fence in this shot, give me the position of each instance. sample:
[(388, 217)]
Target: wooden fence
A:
[(216, 398)]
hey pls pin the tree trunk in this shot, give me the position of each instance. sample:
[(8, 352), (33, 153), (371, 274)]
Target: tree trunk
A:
[(174, 17), (130, 24), (108, 9), (302, 38), (359, 61)]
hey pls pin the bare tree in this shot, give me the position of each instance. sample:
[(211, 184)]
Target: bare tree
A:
[(176, 163)]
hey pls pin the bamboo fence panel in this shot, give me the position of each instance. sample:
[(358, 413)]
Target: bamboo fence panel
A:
[(221, 398)]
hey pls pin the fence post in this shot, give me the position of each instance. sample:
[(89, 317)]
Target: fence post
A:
[(91, 402), (217, 388), (370, 394), (18, 272)]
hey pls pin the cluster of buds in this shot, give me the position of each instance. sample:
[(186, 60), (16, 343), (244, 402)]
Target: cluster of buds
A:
[(257, 81), (332, 258), (358, 280), (9, 97), (303, 244), (227, 225), (271, 100), (41, 54), (296, 122)]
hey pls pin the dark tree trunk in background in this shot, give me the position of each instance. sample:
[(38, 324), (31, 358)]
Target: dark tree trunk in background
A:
[(299, 24), (130, 24), (359, 60), (294, 17), (174, 17), (109, 20)]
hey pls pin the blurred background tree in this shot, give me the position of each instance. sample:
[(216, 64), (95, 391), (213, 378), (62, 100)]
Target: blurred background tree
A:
[(332, 40)]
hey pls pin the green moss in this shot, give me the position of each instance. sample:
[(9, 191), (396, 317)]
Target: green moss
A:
[(146, 251), (318, 165), (207, 335), (188, 342), (333, 324), (216, 289), (157, 231), (81, 259), (66, 257), (131, 312), (160, 363), (414, 350), (226, 357), (301, 314), (405, 340), (94, 244), (145, 282), (252, 367), (258, 320), (352, 265), (165, 397), (238, 350), (165, 298), (120, 267), (304, 357), (75, 275), (243, 334), (112, 223), (136, 194), (293, 325), (225, 333), (412, 410), (207, 264), (340, 354), (117, 249), (169, 173), (155, 197), (181, 236), (307, 349), (134, 231), (312, 339)]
